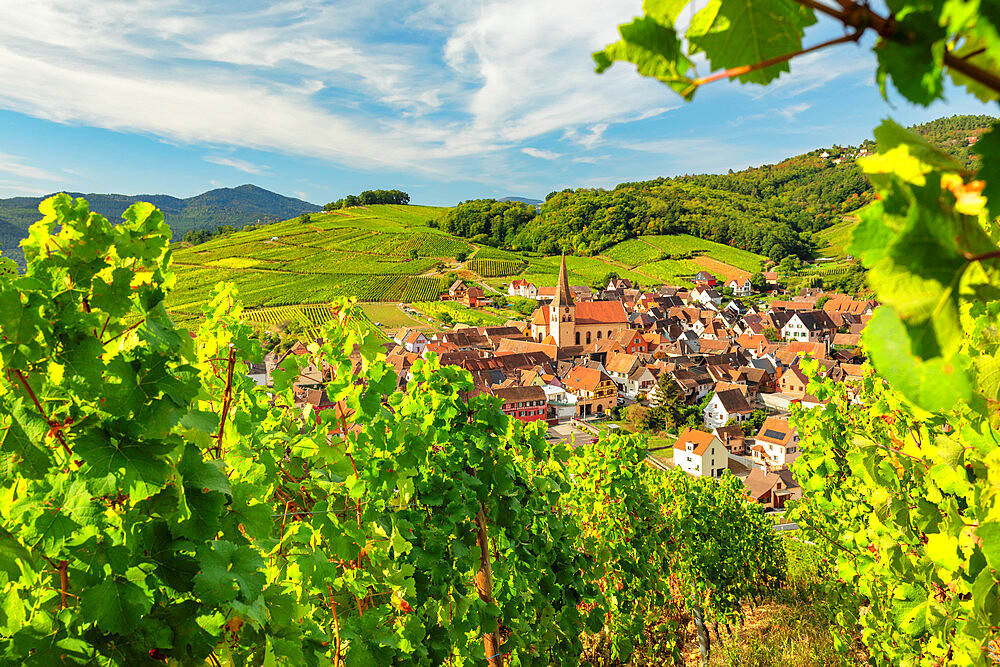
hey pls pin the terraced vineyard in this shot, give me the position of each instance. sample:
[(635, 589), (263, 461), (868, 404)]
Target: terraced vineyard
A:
[(374, 253), (390, 253), (310, 317), (494, 268)]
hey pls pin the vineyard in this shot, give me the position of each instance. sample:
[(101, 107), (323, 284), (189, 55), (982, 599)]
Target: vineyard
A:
[(168, 510), (422, 289), (309, 318), (494, 268), (451, 312)]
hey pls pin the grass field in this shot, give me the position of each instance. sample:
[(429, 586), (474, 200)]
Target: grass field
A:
[(834, 240), (391, 316)]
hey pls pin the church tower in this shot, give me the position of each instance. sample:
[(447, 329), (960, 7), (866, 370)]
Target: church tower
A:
[(562, 312)]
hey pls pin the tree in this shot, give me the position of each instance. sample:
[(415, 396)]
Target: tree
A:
[(303, 218), (758, 282), (461, 256), (752, 425), (821, 301), (414, 254), (772, 334), (788, 266)]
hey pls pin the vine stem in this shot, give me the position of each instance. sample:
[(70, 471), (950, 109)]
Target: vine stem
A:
[(484, 585), (63, 582), (336, 628), (993, 254), (744, 69), (226, 400), (54, 427)]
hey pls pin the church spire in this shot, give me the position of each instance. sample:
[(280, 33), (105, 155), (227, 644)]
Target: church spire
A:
[(563, 297)]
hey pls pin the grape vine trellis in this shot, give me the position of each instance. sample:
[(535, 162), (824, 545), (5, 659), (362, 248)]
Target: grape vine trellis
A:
[(901, 481), (158, 506)]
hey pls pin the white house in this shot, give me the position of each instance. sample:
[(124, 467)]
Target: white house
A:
[(700, 454), (562, 403), (726, 405), (523, 289), (777, 444), (640, 381), (706, 296), (411, 340), (813, 326), (740, 285)]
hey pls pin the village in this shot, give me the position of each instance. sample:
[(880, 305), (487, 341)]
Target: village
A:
[(586, 358)]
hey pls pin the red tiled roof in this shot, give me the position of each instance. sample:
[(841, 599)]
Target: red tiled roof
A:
[(700, 439)]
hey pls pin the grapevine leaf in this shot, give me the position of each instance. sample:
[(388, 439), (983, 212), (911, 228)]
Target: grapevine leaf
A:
[(988, 148), (654, 49), (190, 641), (910, 609), (733, 33), (13, 553), (989, 533), (890, 136), (974, 51), (228, 571), (937, 384), (22, 442), (115, 605), (943, 550), (129, 460), (916, 66)]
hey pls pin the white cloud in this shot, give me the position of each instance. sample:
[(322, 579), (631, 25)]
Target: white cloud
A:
[(541, 154), (12, 164), (794, 110), (431, 86), (241, 165)]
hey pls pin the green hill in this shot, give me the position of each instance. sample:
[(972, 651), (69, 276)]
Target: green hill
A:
[(833, 241), (376, 253), (771, 210), (393, 253), (239, 207)]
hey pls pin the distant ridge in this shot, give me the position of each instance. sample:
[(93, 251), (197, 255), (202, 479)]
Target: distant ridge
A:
[(239, 206), (523, 200)]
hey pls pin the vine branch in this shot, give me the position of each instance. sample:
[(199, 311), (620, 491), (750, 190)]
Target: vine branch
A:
[(55, 428)]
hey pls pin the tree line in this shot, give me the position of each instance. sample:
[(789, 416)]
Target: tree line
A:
[(369, 197)]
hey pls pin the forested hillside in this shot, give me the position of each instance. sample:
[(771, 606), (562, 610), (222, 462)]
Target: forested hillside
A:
[(771, 210), (239, 207)]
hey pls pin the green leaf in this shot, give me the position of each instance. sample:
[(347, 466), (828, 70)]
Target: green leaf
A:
[(989, 533), (937, 384), (228, 571), (116, 605), (988, 148), (914, 65), (734, 33), (654, 49), (943, 550), (909, 608)]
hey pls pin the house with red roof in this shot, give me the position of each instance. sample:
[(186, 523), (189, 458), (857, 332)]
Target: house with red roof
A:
[(700, 454)]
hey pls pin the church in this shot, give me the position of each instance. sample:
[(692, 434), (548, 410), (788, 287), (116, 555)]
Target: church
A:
[(565, 323)]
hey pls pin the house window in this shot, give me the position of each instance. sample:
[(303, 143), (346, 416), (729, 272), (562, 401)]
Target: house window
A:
[(598, 335), (577, 337)]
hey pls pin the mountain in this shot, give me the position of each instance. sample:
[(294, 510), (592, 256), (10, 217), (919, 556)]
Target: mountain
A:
[(241, 206), (523, 200)]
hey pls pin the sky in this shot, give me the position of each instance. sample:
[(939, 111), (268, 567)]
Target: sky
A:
[(446, 100)]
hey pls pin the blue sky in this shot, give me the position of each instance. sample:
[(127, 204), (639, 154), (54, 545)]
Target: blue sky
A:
[(446, 100)]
